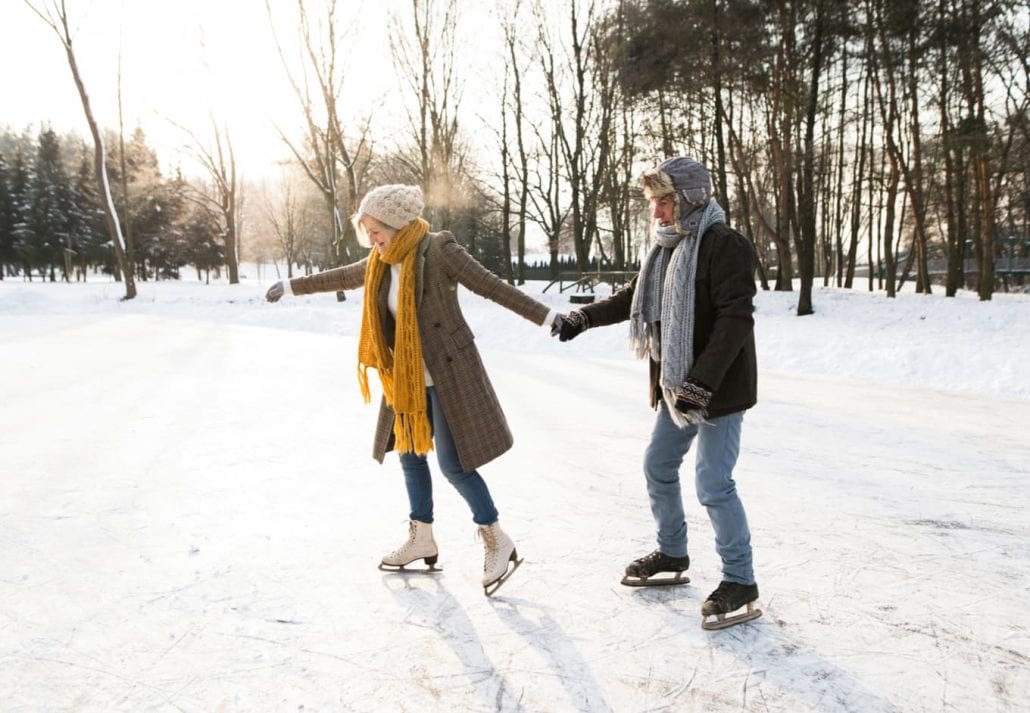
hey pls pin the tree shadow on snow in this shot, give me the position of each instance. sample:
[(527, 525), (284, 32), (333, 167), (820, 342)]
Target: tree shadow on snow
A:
[(535, 623), (427, 604)]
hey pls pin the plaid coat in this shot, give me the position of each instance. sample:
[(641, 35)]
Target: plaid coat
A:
[(466, 396)]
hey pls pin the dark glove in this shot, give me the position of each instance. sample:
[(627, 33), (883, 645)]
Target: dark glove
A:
[(275, 292), (568, 326), (692, 399)]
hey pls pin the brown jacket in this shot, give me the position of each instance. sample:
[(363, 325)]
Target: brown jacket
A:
[(466, 396)]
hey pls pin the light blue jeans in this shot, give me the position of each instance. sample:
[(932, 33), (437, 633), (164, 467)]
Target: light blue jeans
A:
[(717, 448), (470, 485)]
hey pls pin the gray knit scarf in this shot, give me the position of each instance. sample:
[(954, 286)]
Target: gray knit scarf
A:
[(662, 313)]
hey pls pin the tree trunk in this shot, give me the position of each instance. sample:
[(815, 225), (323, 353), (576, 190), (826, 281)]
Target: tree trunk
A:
[(99, 154), (506, 187), (806, 202)]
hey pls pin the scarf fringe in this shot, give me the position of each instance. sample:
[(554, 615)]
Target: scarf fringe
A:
[(412, 433)]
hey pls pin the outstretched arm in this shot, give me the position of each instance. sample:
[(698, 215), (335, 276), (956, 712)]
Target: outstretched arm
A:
[(348, 277), (614, 309), (610, 310), (466, 269)]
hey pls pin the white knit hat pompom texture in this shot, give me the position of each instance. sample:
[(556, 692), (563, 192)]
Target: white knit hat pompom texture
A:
[(394, 205)]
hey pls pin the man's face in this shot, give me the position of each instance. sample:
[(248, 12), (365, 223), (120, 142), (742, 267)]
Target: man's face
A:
[(663, 209)]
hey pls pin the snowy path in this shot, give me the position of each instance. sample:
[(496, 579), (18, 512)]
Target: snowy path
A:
[(194, 526)]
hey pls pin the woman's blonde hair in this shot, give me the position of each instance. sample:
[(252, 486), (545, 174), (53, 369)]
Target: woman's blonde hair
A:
[(361, 233)]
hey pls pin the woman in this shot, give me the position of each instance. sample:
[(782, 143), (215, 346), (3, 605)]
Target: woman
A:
[(435, 388)]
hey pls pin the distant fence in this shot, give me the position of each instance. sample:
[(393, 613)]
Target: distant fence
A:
[(587, 282), (970, 266)]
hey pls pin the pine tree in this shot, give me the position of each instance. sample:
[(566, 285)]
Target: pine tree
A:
[(158, 229), (88, 234), (204, 247), (51, 207), (21, 205), (142, 182), (7, 254)]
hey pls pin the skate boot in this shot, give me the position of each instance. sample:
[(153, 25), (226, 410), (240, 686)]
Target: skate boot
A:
[(640, 572), (498, 553), (420, 545), (728, 597)]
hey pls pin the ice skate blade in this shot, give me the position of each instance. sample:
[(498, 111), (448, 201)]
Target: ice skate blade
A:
[(403, 569), (725, 621), (631, 581), (489, 589)]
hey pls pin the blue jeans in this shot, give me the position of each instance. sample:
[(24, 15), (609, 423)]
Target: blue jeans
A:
[(718, 446), (470, 485)]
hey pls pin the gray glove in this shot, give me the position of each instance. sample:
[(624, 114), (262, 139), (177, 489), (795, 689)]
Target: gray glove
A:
[(275, 292)]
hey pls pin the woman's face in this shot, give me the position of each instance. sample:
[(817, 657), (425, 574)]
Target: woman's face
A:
[(379, 235)]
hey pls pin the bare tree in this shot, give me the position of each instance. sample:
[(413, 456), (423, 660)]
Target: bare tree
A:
[(223, 200), (288, 214), (506, 158), (425, 56), (516, 164), (130, 259), (781, 124), (858, 178), (806, 235), (895, 70), (547, 207), (55, 16), (581, 91), (336, 165)]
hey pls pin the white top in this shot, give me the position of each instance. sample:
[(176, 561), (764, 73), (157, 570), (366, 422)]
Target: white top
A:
[(391, 301)]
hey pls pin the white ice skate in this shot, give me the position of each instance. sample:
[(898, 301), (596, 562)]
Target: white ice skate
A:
[(499, 553), (420, 545)]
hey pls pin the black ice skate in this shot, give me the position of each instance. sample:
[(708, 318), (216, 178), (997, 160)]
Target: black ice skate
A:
[(727, 598), (641, 572)]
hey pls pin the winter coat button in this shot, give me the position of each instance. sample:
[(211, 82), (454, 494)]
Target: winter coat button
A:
[(437, 325), (450, 359)]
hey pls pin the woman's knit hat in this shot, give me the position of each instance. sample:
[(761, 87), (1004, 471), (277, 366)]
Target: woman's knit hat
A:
[(394, 205)]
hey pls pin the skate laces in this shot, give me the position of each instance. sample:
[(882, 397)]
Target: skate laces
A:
[(722, 593), (490, 538), (652, 562), (654, 557), (411, 540)]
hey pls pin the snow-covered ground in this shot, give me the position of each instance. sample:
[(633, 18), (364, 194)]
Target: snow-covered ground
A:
[(190, 519)]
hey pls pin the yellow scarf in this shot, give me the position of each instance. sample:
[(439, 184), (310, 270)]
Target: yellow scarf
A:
[(400, 370)]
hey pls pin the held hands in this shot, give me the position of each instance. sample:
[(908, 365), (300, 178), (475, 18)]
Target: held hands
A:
[(568, 326), (275, 292), (692, 400)]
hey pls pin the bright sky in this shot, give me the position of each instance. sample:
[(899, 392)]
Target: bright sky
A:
[(182, 60)]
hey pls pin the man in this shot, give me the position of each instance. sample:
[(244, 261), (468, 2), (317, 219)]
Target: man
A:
[(691, 313)]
